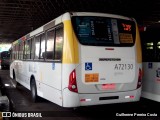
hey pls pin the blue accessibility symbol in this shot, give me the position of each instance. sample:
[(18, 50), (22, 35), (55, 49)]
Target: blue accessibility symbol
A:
[(88, 66), (53, 66)]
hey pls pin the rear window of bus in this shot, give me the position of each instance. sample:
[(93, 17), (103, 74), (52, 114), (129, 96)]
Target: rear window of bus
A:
[(104, 31)]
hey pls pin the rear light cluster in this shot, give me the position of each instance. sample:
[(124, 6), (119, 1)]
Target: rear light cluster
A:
[(72, 82), (139, 83)]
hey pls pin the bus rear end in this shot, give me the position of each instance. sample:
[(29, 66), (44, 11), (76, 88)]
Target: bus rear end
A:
[(5, 59), (109, 69)]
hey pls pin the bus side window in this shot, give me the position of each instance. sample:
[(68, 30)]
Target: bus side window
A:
[(50, 44), (49, 55), (15, 51), (32, 48), (59, 43), (42, 47), (27, 49), (37, 47), (20, 50)]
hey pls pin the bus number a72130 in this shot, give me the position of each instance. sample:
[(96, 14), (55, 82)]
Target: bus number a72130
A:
[(123, 67)]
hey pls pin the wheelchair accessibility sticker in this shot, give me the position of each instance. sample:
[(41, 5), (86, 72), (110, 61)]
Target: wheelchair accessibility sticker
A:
[(53, 66), (88, 66), (150, 65)]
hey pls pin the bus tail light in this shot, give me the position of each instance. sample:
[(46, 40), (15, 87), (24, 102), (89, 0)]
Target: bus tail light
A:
[(139, 83), (72, 82)]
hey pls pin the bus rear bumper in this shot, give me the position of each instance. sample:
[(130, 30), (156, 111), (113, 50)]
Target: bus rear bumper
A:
[(71, 99)]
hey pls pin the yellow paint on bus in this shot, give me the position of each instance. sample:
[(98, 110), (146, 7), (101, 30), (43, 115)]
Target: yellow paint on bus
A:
[(70, 46)]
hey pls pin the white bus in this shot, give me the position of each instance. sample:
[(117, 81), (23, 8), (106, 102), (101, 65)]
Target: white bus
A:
[(151, 64), (81, 59)]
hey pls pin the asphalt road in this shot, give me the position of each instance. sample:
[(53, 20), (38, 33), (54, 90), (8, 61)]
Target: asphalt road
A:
[(22, 106)]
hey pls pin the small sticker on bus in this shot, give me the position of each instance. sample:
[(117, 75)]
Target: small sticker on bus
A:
[(150, 65), (88, 66), (53, 66), (94, 77)]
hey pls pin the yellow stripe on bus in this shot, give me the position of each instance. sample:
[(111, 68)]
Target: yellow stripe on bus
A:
[(70, 46), (76, 48), (138, 47)]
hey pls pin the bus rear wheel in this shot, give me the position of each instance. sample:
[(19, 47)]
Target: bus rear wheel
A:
[(33, 90)]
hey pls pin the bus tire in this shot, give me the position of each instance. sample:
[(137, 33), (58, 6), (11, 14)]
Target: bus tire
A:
[(33, 90)]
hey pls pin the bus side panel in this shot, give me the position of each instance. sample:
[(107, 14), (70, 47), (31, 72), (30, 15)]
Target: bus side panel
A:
[(47, 77), (70, 61), (48, 80), (151, 80), (69, 98), (48, 73), (24, 75), (11, 70), (20, 72), (49, 93), (149, 77)]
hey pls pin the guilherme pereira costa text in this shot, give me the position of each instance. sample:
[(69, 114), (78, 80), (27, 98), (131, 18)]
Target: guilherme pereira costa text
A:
[(136, 114)]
